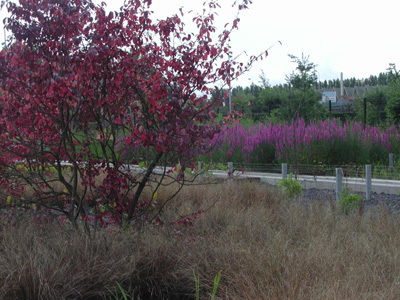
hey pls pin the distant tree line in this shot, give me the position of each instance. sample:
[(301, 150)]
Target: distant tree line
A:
[(384, 78), (300, 97)]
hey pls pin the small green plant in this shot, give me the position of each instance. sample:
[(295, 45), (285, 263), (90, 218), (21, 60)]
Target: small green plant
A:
[(290, 187), (222, 167), (197, 284), (142, 164), (217, 279), (349, 202), (120, 295)]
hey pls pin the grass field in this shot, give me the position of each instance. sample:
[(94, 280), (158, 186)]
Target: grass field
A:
[(264, 247)]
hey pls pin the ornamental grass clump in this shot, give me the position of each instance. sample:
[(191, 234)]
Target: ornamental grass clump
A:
[(262, 247)]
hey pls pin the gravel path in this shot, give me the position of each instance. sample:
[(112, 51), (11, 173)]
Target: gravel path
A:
[(391, 201)]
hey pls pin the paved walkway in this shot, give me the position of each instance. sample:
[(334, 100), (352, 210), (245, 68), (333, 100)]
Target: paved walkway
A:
[(323, 182), (308, 181)]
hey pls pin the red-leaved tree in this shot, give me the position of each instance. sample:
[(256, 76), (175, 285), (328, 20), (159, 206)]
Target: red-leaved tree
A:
[(87, 94)]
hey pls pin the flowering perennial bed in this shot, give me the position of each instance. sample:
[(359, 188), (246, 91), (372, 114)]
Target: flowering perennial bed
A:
[(326, 142)]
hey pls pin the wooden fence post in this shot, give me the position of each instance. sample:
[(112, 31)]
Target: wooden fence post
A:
[(339, 183), (230, 169), (391, 162), (368, 181), (284, 170)]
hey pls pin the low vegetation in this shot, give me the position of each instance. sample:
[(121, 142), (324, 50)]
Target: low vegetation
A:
[(263, 248)]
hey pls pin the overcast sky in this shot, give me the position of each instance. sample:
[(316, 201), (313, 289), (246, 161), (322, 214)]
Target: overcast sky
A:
[(358, 38)]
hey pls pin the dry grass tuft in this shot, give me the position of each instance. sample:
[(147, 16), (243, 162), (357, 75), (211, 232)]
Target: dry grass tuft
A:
[(266, 249)]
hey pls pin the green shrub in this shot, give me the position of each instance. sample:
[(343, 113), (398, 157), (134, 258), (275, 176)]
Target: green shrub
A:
[(349, 202), (290, 187)]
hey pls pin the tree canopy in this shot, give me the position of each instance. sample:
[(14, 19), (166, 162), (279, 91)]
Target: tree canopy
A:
[(87, 93)]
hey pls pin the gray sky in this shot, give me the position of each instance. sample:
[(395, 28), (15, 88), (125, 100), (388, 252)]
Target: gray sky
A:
[(358, 38)]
